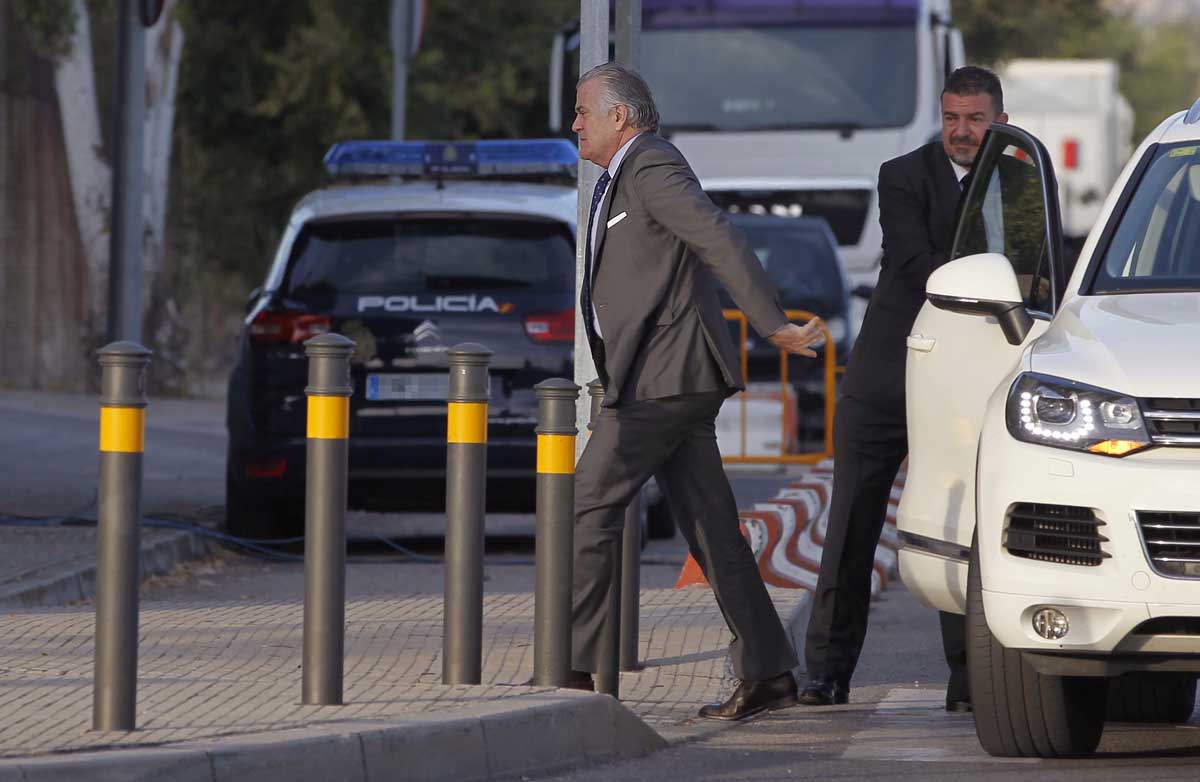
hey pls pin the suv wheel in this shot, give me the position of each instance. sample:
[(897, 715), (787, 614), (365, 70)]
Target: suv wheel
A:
[(1018, 711), (1152, 697)]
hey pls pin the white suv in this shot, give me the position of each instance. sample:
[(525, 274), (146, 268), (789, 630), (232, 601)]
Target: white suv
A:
[(1053, 491)]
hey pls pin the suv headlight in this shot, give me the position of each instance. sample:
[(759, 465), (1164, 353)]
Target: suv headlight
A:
[(1061, 413)]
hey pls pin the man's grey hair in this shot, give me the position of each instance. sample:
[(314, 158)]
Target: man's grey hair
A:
[(624, 87)]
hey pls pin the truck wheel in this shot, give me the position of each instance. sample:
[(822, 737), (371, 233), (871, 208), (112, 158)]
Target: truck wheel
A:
[(1152, 697), (249, 516), (1018, 711)]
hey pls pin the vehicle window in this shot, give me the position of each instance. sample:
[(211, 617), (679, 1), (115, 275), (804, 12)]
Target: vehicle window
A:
[(799, 262), (1157, 244), (745, 78), (430, 254), (1008, 216)]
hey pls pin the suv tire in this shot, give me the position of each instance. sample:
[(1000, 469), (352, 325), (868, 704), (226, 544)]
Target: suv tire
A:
[(660, 524), (1152, 697), (1018, 711)]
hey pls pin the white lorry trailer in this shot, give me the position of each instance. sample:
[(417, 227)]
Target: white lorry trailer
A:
[(1075, 107)]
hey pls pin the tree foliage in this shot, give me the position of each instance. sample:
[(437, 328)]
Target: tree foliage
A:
[(1160, 68), (265, 88)]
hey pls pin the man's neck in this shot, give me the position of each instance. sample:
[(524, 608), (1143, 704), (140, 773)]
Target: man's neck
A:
[(625, 137)]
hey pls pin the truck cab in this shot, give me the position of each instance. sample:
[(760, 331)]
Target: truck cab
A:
[(789, 108)]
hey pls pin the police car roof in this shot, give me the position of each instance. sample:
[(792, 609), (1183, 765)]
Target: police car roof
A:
[(556, 202)]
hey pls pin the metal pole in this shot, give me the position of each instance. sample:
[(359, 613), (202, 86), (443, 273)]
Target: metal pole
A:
[(466, 487), (118, 545), (628, 32), (129, 115), (608, 678), (402, 17), (631, 584), (593, 50), (328, 430), (554, 549)]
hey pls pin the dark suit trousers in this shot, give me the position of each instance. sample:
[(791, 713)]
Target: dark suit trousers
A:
[(869, 446), (674, 440)]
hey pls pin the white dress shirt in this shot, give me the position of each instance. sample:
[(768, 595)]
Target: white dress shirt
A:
[(602, 210)]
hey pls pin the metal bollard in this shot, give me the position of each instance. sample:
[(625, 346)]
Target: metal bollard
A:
[(554, 551), (631, 584), (328, 392), (118, 544), (466, 490)]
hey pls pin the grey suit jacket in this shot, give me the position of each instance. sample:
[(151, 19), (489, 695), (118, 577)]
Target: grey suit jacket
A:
[(655, 281)]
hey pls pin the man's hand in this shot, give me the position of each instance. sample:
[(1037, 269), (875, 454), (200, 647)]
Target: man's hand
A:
[(799, 339)]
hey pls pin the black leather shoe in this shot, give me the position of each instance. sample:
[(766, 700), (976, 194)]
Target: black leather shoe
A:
[(750, 698), (824, 692), (576, 680), (960, 707)]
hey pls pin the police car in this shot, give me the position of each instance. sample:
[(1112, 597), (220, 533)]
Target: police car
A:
[(1054, 433), (415, 248)]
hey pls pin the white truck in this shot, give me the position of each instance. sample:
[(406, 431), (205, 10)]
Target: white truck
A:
[(1076, 108), (789, 107)]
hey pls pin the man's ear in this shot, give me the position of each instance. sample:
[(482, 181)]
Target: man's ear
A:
[(1002, 117), (621, 116)]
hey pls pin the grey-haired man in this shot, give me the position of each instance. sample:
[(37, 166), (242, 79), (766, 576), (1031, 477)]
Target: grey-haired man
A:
[(657, 249)]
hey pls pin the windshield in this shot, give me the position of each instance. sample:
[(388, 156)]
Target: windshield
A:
[(1156, 247), (764, 78), (800, 261), (430, 254)]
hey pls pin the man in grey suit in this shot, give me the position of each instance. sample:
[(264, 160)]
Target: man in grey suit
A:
[(657, 249)]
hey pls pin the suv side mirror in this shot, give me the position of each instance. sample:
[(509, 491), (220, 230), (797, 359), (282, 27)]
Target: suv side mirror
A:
[(983, 284)]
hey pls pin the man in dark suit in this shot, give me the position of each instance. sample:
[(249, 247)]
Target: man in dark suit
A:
[(918, 195), (656, 250)]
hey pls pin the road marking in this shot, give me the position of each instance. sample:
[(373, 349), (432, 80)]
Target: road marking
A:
[(912, 725)]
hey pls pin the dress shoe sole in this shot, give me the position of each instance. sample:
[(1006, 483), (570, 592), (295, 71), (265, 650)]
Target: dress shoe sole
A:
[(785, 702)]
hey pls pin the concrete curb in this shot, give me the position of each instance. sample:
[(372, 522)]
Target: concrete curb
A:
[(535, 734), (56, 586)]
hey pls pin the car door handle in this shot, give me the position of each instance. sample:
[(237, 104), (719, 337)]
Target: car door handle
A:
[(920, 342)]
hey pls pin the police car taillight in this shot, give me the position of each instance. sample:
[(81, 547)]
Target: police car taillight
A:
[(287, 327), (435, 159), (551, 326)]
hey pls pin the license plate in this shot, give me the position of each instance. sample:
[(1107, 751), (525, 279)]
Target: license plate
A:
[(408, 387)]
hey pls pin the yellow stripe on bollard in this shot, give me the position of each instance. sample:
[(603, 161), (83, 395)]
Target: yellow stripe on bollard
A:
[(556, 454), (122, 429), (328, 417), (467, 422)]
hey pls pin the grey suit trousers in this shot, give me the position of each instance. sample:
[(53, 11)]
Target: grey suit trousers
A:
[(673, 439)]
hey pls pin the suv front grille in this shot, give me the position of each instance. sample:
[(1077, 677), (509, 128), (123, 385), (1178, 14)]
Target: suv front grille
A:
[(1172, 542), (1173, 421), (1065, 534)]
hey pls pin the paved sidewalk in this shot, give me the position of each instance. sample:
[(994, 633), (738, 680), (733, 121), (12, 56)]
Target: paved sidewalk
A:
[(214, 671)]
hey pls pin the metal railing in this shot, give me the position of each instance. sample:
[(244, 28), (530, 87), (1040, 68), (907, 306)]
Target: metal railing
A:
[(831, 372)]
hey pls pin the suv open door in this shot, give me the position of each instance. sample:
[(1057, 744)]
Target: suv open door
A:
[(997, 293)]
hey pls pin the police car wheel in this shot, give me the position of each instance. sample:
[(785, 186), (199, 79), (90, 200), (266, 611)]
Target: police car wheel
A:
[(250, 516)]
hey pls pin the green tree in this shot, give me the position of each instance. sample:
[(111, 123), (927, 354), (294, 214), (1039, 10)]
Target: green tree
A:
[(1160, 68)]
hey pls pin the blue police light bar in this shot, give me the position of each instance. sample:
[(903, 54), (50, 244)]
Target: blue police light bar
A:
[(497, 158)]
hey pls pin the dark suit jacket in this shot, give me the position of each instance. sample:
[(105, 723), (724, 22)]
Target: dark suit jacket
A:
[(918, 196), (655, 282)]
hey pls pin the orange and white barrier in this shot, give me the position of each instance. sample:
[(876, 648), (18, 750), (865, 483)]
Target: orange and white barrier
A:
[(787, 534)]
